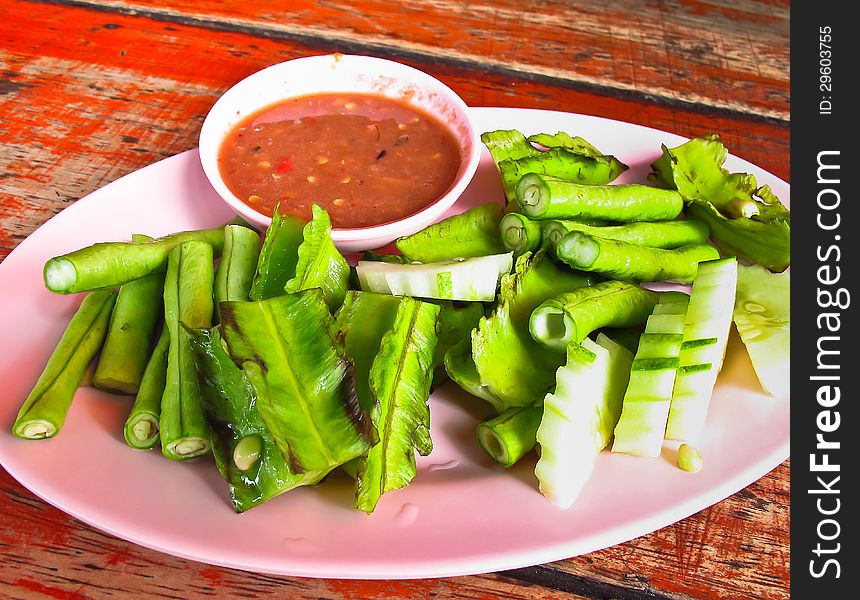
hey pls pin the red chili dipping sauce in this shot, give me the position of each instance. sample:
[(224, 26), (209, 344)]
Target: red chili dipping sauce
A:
[(366, 159)]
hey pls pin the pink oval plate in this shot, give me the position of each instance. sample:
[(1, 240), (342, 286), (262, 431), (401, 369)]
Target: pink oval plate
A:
[(461, 514)]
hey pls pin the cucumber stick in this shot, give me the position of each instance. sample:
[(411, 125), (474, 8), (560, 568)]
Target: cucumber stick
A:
[(473, 279), (579, 417), (706, 331), (762, 315), (642, 425)]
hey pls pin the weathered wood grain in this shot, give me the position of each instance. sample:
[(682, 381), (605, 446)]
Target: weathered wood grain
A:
[(657, 50), (91, 91), (733, 550)]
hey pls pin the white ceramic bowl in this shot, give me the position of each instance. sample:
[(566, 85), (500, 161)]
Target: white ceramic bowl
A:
[(343, 73)]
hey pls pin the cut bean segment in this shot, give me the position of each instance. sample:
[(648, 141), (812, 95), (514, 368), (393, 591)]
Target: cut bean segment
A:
[(44, 411), (545, 197), (187, 301)]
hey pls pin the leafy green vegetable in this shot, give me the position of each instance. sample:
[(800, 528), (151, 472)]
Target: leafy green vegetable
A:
[(752, 240), (400, 383), (460, 367), (391, 341), (745, 220), (455, 324), (362, 322)]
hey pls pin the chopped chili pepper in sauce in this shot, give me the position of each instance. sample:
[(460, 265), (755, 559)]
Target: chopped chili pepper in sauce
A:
[(365, 158)]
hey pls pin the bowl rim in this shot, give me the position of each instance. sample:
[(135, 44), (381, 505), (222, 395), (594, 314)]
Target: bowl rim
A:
[(210, 142)]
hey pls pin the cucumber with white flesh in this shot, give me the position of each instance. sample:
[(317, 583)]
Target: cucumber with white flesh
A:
[(642, 425), (580, 416), (706, 331), (762, 315), (472, 279)]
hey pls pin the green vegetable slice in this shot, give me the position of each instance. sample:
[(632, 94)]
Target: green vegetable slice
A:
[(474, 232), (655, 234), (571, 316), (507, 144), (631, 262), (642, 425), (320, 264), (141, 429), (399, 381), (473, 279), (187, 301), (237, 267), (520, 234), (567, 157), (706, 331), (562, 163), (244, 451), (580, 416), (507, 437), (762, 314), (514, 369), (305, 386), (563, 139), (546, 197), (128, 345), (279, 255), (44, 411)]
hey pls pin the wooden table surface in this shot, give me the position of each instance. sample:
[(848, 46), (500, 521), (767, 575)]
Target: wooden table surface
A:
[(90, 91)]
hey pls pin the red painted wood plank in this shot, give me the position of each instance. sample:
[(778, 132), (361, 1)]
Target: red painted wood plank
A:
[(726, 55)]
